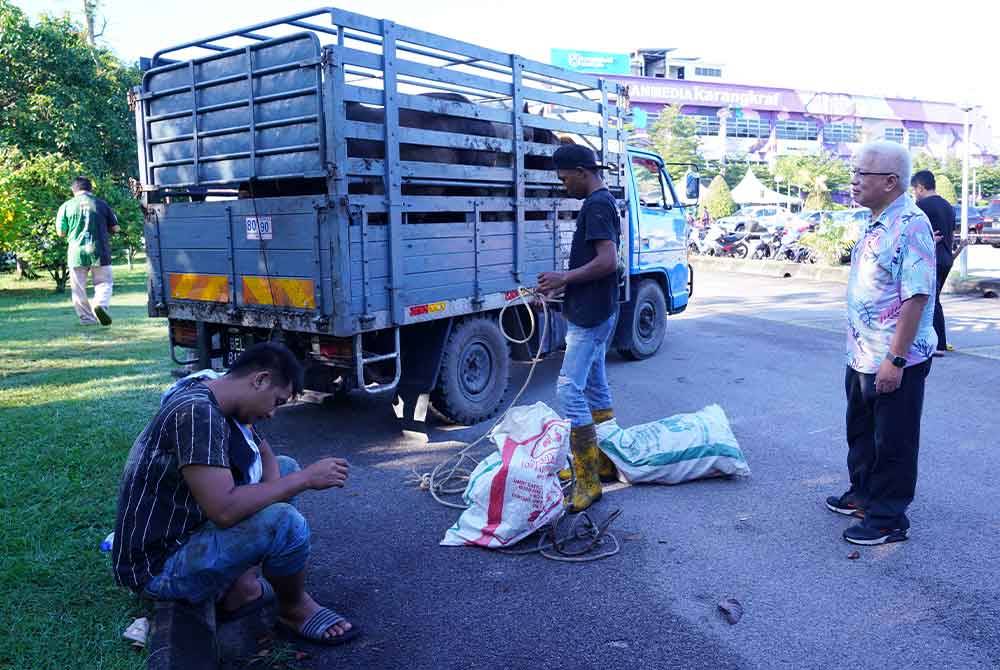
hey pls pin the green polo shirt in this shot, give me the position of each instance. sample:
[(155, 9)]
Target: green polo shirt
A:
[(86, 222)]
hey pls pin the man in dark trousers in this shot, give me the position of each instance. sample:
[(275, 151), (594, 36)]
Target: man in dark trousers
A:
[(590, 306), (942, 216), (890, 340)]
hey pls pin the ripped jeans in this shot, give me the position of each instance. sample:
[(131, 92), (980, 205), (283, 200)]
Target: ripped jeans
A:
[(213, 558), (583, 381)]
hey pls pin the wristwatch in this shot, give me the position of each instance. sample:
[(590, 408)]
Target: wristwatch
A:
[(898, 361)]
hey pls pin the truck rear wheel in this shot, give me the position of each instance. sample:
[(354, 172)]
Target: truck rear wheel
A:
[(649, 321), (475, 372)]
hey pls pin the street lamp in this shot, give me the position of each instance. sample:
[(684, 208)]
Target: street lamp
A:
[(966, 131)]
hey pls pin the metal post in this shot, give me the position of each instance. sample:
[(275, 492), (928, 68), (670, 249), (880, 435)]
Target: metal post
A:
[(393, 178), (194, 121), (518, 148), (477, 296), (964, 260)]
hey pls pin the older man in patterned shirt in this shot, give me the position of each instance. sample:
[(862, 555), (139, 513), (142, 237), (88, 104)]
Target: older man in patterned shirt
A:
[(890, 341)]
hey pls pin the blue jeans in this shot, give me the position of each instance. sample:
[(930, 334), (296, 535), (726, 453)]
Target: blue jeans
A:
[(213, 558), (583, 380)]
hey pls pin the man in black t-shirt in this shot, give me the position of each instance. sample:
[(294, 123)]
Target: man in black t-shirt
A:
[(590, 306), (942, 217), (202, 500)]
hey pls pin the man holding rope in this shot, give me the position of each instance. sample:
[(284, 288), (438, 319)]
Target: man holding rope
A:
[(590, 306)]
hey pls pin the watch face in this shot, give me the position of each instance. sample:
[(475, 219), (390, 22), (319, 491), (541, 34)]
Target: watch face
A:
[(899, 362)]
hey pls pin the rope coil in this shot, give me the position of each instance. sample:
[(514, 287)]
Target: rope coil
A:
[(451, 476)]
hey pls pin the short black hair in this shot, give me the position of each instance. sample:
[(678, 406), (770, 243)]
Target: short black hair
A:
[(81, 183), (274, 358), (925, 178)]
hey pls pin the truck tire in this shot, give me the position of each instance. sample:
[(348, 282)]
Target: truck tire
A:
[(649, 321), (475, 372)]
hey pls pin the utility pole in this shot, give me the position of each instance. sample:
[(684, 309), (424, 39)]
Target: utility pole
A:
[(964, 257)]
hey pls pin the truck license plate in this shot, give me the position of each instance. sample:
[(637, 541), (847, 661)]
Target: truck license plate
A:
[(259, 228), (236, 348)]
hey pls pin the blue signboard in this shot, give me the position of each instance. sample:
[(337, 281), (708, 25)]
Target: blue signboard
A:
[(595, 62)]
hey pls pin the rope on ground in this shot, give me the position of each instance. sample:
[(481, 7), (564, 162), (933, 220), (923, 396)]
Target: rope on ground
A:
[(585, 541), (451, 476)]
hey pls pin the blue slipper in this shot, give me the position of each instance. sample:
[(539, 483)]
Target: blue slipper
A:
[(314, 628), (266, 597)]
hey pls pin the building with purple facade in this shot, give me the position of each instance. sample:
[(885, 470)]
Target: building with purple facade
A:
[(759, 123)]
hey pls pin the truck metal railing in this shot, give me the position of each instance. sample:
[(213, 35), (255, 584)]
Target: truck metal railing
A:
[(362, 361), (399, 133)]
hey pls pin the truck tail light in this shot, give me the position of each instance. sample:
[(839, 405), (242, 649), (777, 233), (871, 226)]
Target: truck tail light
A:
[(184, 333), (333, 347)]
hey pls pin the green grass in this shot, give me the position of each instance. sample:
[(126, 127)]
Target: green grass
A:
[(72, 400)]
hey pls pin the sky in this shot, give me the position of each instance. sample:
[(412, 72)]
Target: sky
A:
[(940, 50)]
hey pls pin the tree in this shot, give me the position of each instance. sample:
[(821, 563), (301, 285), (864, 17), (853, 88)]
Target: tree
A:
[(732, 167), (90, 20), (31, 190), (59, 94), (815, 175), (945, 188), (675, 138), (718, 200), (950, 167), (63, 112), (129, 239), (988, 178)]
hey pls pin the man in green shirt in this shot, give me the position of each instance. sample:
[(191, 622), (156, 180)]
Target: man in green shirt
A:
[(88, 223)]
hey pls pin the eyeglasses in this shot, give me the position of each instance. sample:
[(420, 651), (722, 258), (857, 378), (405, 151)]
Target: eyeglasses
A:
[(856, 172)]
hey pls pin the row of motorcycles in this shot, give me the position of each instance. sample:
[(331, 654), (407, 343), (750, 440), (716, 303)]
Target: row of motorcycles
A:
[(779, 243)]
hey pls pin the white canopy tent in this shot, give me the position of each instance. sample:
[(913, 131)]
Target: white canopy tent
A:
[(751, 192)]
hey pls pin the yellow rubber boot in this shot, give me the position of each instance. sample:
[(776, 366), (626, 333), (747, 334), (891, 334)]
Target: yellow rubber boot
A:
[(606, 470), (587, 487)]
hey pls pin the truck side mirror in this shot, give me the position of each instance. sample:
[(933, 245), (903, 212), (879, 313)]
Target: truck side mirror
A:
[(692, 185)]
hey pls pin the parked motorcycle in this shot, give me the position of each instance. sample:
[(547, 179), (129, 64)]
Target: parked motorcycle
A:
[(767, 244)]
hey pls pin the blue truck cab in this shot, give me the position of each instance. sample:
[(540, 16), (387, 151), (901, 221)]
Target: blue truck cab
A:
[(660, 278), (376, 196)]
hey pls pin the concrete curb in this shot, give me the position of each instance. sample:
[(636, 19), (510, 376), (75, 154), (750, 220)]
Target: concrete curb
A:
[(781, 269)]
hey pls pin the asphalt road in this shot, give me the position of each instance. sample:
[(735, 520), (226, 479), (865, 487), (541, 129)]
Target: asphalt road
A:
[(770, 352)]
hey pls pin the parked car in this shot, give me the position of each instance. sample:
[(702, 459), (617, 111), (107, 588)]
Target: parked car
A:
[(766, 217), (987, 223), (978, 222), (815, 217)]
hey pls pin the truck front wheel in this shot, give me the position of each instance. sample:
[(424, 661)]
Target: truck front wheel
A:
[(475, 372), (649, 321)]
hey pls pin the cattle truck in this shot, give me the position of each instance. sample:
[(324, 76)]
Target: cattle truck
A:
[(372, 196)]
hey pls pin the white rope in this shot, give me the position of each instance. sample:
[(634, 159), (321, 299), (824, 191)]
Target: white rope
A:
[(597, 542), (456, 479)]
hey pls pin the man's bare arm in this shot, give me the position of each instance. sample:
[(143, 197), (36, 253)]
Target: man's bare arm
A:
[(226, 504), (268, 461)]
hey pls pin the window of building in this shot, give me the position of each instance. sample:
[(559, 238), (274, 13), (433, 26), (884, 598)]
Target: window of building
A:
[(842, 132), (706, 124), (894, 135), (748, 128), (708, 71), (918, 138), (797, 130)]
